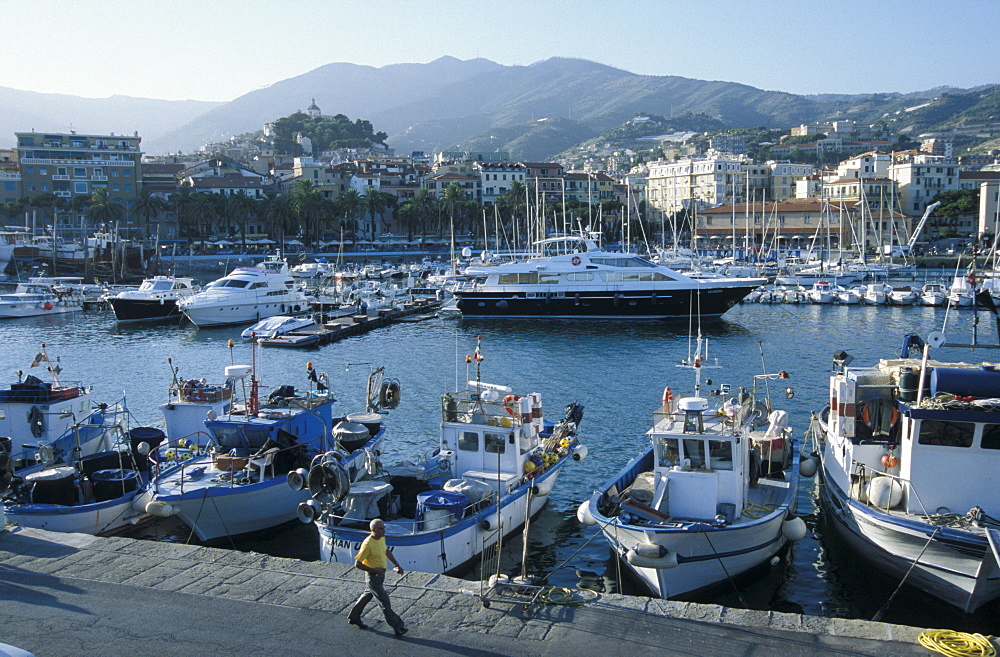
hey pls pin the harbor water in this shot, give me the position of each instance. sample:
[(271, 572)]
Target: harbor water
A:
[(617, 371)]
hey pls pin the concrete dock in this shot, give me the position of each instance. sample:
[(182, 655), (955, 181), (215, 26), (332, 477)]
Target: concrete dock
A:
[(73, 595)]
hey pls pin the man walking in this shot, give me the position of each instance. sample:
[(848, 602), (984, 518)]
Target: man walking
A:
[(372, 559)]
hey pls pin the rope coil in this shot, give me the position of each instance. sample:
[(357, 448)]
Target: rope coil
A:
[(957, 644)]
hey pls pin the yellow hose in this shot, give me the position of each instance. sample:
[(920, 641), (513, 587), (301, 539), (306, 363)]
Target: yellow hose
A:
[(957, 644)]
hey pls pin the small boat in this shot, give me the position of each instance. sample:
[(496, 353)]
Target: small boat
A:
[(495, 464), (155, 299), (293, 341), (876, 294), (277, 326), (961, 293), (933, 294), (221, 467), (823, 292), (712, 495), (903, 296), (247, 295), (40, 296), (909, 452)]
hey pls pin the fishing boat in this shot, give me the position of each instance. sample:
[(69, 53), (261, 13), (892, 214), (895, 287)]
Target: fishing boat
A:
[(573, 277), (41, 296), (909, 452), (713, 494), (494, 466), (222, 464), (155, 299), (933, 294), (247, 295)]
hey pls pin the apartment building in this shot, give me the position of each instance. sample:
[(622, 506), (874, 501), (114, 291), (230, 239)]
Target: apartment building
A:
[(69, 165), (695, 183), (920, 177)]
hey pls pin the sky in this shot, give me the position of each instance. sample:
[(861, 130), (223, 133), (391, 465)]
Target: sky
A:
[(218, 50)]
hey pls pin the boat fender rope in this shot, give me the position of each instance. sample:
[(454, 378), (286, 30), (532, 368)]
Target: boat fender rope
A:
[(957, 644)]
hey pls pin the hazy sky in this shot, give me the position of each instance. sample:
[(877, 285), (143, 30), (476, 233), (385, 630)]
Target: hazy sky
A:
[(215, 50)]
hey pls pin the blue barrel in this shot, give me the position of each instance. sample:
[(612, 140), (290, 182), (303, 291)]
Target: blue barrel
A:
[(441, 500), (981, 383), (149, 435), (112, 484)]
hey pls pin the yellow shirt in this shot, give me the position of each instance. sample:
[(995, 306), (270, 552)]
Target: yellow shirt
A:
[(372, 553)]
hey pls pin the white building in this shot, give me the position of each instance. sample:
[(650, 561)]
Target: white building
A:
[(920, 177)]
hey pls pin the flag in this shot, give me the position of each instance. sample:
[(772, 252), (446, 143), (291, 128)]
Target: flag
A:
[(38, 360), (971, 278)]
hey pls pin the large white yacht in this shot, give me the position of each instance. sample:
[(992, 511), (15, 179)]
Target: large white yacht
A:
[(247, 295), (574, 277)]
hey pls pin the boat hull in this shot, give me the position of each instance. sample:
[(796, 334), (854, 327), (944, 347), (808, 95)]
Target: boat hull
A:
[(98, 519), (446, 550), (139, 310), (955, 566), (603, 304)]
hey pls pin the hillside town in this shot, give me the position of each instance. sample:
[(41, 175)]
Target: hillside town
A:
[(247, 192)]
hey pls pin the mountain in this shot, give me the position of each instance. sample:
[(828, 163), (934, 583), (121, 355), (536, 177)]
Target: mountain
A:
[(534, 111), (23, 111)]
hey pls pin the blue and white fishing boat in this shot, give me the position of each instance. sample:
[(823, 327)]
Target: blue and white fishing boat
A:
[(495, 464), (712, 495), (223, 463), (909, 452)]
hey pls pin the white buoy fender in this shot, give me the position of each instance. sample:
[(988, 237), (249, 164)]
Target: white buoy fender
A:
[(491, 522), (583, 514), (297, 478), (648, 555), (579, 452), (794, 529), (807, 467), (541, 488), (885, 492), (160, 509)]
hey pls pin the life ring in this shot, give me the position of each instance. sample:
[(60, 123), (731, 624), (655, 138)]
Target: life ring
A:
[(668, 396), (388, 395), (329, 482), (576, 261), (36, 422), (509, 403)]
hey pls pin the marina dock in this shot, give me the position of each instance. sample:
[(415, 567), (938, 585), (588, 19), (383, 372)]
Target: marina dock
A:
[(74, 594), (338, 328)]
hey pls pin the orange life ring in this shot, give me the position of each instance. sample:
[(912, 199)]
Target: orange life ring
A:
[(508, 404), (889, 461), (668, 395), (576, 260)]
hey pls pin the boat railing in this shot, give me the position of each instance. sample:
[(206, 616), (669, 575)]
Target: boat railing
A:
[(864, 474), (455, 408), (195, 390), (407, 526)]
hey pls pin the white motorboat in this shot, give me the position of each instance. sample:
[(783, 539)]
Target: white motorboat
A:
[(909, 456), (155, 299), (318, 269), (823, 292), (41, 296), (848, 296), (573, 277), (712, 495), (876, 294), (247, 295), (903, 296), (495, 465), (961, 293), (933, 294), (223, 465), (278, 325)]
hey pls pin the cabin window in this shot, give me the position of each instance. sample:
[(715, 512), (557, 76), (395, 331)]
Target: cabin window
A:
[(669, 452), (949, 434), (228, 437), (548, 279), (495, 443), (468, 441), (694, 451), (580, 276), (991, 436), (720, 454), (255, 437)]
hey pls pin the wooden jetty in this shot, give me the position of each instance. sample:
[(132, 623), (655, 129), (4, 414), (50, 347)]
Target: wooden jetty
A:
[(350, 325)]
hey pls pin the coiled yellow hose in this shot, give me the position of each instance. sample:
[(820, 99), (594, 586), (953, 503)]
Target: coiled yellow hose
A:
[(957, 644)]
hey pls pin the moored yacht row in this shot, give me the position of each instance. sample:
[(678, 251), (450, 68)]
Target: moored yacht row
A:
[(960, 294)]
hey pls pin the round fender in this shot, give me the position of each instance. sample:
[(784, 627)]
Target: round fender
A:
[(807, 467), (583, 514), (297, 479), (794, 529), (329, 482), (491, 522), (160, 509), (579, 452), (541, 488), (648, 555)]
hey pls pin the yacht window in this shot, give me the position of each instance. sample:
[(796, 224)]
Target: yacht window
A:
[(720, 454), (693, 422), (235, 282), (669, 452), (694, 451), (991, 436), (548, 279), (3, 414), (495, 443), (469, 441), (949, 434), (580, 276), (258, 284)]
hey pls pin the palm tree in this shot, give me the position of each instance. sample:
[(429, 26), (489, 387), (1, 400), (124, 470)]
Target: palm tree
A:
[(103, 209), (241, 208), (279, 213), (349, 207), (311, 206), (149, 205), (202, 211), (451, 204), (375, 203), (181, 201)]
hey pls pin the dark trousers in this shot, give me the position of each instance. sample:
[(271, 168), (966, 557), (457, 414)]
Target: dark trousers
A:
[(376, 589)]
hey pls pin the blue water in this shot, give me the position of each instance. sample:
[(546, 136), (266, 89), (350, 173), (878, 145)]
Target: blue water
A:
[(618, 371)]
